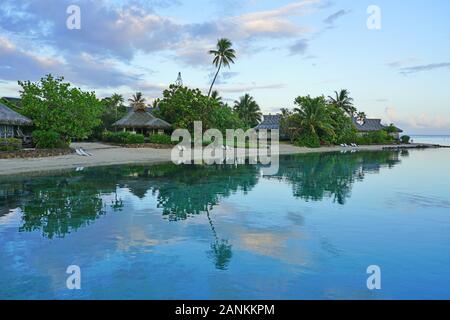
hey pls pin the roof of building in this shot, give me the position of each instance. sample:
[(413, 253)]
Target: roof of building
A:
[(369, 125), (142, 119), (10, 117), (270, 122)]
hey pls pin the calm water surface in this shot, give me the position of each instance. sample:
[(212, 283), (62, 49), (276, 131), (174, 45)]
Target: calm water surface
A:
[(194, 232)]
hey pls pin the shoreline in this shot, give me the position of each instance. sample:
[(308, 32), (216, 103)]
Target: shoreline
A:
[(108, 155)]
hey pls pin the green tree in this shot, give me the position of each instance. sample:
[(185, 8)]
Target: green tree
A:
[(343, 101), (182, 106), (216, 97), (223, 55), (117, 101), (313, 116), (248, 111), (54, 105)]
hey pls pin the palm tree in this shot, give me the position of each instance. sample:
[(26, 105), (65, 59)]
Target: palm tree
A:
[(343, 101), (313, 116), (216, 97), (138, 102), (116, 101), (155, 103), (224, 55), (361, 117), (248, 110)]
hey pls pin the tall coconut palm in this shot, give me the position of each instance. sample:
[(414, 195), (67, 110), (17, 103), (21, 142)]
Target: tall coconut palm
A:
[(116, 100), (343, 101), (223, 55), (138, 102), (313, 116), (248, 110)]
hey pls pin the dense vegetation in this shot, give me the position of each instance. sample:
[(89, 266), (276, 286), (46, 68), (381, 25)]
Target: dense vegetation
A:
[(55, 106), (181, 106), (10, 144), (123, 137), (318, 121)]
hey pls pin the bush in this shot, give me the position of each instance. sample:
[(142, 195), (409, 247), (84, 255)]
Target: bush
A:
[(10, 144), (160, 139), (406, 139), (376, 137), (48, 140), (123, 137), (308, 140)]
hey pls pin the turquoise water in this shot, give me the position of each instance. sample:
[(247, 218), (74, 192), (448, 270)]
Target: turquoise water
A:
[(221, 232)]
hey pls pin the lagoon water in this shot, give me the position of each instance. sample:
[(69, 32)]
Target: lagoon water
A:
[(225, 232)]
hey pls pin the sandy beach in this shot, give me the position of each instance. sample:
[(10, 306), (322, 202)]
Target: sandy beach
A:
[(104, 155)]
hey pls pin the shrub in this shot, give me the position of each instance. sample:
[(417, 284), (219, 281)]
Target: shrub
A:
[(406, 139), (10, 144), (376, 137), (308, 140), (48, 140), (160, 139), (123, 137)]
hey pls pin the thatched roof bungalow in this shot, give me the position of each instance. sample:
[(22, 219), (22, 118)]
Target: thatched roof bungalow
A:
[(142, 121), (11, 122)]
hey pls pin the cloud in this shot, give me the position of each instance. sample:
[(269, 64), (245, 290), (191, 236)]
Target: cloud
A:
[(242, 88), (114, 33), (330, 20), (84, 69), (275, 22), (421, 121), (426, 67), (299, 47)]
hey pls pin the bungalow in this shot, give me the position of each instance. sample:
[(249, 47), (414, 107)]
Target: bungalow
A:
[(270, 122), (373, 125), (12, 123), (143, 122)]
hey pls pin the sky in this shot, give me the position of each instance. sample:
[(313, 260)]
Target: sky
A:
[(399, 72)]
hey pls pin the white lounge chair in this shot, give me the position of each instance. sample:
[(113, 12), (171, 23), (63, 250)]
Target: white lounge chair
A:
[(79, 153), (85, 153)]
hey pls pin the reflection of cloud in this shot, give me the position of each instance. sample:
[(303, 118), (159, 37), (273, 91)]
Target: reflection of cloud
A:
[(427, 202)]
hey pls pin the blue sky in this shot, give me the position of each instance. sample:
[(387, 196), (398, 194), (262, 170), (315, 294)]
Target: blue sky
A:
[(286, 48)]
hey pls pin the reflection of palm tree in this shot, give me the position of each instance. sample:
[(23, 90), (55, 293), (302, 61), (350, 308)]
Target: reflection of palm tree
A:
[(220, 250), (117, 203)]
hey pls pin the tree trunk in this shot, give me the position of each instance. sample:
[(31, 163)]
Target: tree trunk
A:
[(212, 84)]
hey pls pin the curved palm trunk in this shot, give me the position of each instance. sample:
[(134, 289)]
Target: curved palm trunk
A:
[(212, 225), (215, 77)]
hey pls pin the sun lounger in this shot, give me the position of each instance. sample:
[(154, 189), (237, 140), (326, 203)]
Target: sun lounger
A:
[(85, 153), (79, 153)]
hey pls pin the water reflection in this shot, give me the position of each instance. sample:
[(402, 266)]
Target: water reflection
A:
[(60, 204), (315, 176)]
